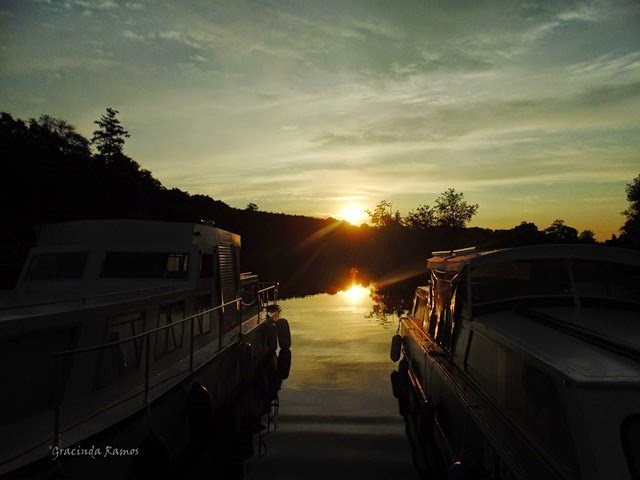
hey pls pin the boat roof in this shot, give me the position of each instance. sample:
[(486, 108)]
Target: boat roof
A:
[(122, 234), (455, 260), (579, 360)]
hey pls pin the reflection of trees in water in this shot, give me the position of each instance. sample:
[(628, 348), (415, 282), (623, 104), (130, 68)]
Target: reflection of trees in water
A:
[(390, 301)]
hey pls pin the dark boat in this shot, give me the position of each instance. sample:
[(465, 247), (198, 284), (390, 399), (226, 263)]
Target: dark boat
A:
[(524, 363), (120, 340)]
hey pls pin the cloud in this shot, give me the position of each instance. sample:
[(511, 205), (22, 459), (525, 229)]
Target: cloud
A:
[(97, 5), (608, 66), (180, 37), (583, 13), (133, 36), (198, 58)]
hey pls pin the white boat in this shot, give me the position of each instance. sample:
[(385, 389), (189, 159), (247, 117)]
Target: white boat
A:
[(524, 363), (115, 332)]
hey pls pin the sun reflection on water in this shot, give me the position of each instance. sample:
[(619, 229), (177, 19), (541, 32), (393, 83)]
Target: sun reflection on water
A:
[(355, 293)]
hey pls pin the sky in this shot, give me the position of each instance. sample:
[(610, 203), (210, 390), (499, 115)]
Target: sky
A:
[(530, 108)]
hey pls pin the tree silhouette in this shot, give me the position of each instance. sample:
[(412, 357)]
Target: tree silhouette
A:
[(558, 232), (381, 216), (251, 207), (631, 229), (110, 137), (60, 135), (421, 218), (587, 236), (452, 211), (526, 233)]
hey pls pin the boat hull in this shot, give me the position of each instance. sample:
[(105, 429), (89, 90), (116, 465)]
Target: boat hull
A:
[(454, 425), (154, 437)]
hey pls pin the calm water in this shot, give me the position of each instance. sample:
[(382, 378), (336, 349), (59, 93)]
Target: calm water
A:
[(337, 416)]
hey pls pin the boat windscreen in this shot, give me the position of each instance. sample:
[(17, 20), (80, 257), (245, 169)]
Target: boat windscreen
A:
[(551, 277), (524, 278), (597, 279)]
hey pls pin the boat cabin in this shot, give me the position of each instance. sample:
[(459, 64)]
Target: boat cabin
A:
[(540, 345), (100, 256)]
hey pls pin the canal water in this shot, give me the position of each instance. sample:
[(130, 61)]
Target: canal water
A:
[(336, 415)]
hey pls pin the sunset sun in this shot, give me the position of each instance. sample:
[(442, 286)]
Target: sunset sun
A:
[(353, 215)]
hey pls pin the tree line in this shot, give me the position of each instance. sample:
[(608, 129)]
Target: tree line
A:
[(51, 173), (452, 211)]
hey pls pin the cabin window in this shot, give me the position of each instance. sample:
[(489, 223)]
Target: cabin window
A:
[(440, 320), (177, 265), (460, 300), (606, 279), (591, 278), (499, 281), (625, 280), (630, 435), (145, 265), (171, 338), (206, 265), (421, 310), (526, 393), (57, 266)]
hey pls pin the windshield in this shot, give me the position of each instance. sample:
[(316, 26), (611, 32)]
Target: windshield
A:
[(551, 277)]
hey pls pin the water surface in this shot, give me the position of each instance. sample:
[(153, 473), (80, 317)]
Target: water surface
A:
[(337, 416)]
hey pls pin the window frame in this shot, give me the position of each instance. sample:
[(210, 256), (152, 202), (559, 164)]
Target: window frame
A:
[(84, 254), (114, 263)]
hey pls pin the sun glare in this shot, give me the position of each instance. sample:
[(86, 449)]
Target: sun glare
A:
[(355, 292), (353, 215)]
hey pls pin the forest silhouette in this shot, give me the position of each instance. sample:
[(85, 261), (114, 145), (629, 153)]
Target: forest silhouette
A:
[(53, 174)]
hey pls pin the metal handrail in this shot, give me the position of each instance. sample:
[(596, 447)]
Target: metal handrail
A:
[(143, 334), (164, 327), (264, 302)]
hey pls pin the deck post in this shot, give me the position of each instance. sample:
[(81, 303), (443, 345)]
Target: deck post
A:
[(220, 322), (191, 348), (239, 317), (58, 400), (146, 370)]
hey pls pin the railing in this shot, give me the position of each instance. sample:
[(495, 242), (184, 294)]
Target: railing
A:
[(267, 296), (268, 293)]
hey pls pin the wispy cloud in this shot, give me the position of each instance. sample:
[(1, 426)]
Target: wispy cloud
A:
[(97, 4), (180, 37), (609, 66), (133, 36)]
